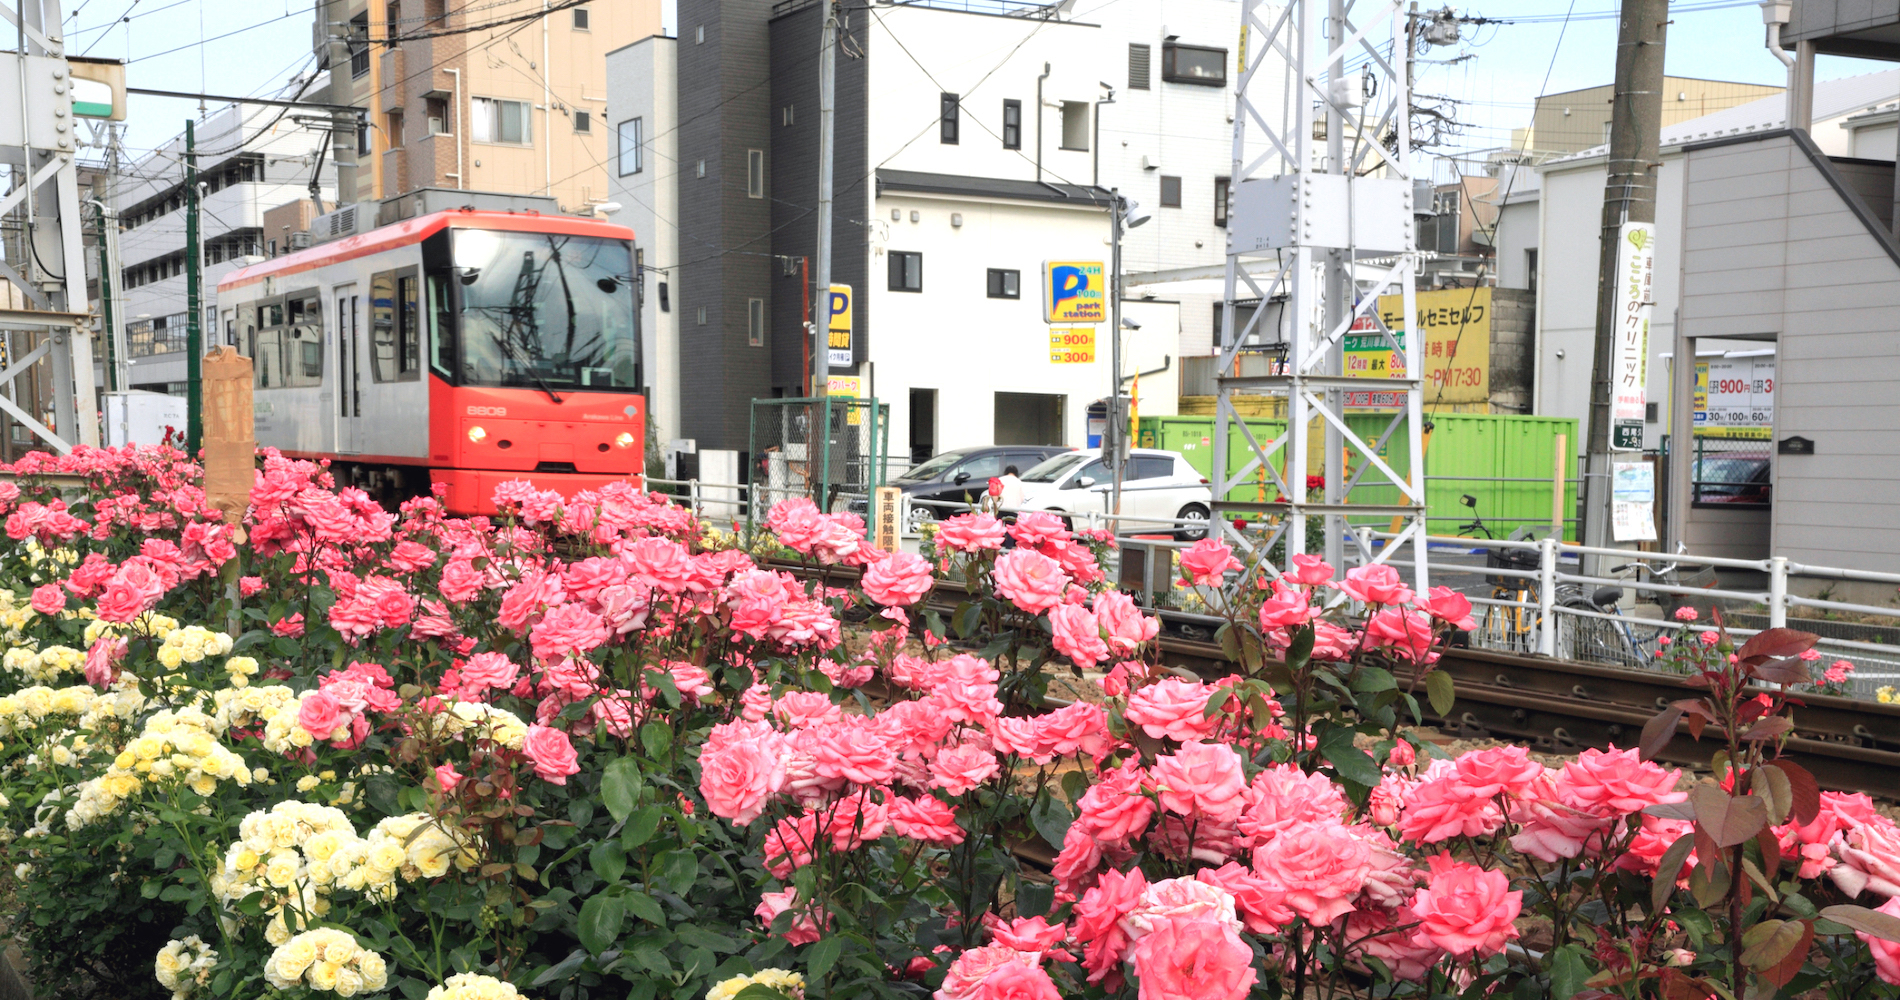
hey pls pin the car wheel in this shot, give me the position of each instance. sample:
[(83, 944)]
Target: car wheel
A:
[(919, 516), (1197, 515)]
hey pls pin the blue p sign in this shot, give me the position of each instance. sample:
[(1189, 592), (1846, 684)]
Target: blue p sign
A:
[(1066, 282)]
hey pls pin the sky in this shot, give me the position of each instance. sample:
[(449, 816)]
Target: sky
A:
[(254, 47)]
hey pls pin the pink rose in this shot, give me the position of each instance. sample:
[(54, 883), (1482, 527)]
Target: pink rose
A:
[(1870, 859), (49, 599), (1283, 796), (1406, 634), (1552, 831), (1033, 581), (926, 819), (448, 777), (1442, 807), (1077, 635), (1497, 771), (321, 715), (1098, 917), (1025, 933), (1309, 571), (1115, 808), (851, 750), (1078, 728), (1616, 783), (1201, 779), (552, 754), (102, 660), (738, 779), (488, 671), (1123, 623), (805, 926), (959, 769), (1039, 530), (1172, 709), (1257, 901), (1465, 909), (289, 628), (567, 629), (1288, 607), (898, 580), (1886, 953), (1207, 561), (1015, 981), (1193, 959), (1375, 584), (1319, 866), (1392, 937), (969, 533), (965, 978), (1448, 605)]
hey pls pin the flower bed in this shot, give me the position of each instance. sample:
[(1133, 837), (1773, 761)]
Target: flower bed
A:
[(587, 749)]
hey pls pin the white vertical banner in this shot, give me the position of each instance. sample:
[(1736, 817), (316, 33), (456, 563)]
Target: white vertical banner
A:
[(1629, 373)]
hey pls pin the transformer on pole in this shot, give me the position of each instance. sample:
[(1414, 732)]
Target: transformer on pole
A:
[(1321, 227)]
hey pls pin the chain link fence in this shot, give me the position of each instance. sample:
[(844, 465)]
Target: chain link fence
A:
[(827, 449)]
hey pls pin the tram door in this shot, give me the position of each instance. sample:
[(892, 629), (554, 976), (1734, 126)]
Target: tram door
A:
[(349, 349)]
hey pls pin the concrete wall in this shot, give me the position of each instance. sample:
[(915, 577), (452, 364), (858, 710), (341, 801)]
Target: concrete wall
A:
[(1513, 349), (1777, 244)]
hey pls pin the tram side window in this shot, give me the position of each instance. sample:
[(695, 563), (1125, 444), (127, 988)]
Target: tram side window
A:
[(267, 353), (395, 327), (441, 325), (303, 342)]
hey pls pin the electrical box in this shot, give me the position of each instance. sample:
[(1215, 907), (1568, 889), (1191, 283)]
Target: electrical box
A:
[(1368, 214), (142, 418)]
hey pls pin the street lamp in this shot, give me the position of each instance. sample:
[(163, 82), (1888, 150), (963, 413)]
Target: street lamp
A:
[(1125, 214)]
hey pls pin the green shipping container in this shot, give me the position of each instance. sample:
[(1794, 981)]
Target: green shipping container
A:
[(1504, 461)]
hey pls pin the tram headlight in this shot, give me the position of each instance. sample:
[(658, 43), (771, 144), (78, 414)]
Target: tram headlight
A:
[(476, 434), (625, 440)]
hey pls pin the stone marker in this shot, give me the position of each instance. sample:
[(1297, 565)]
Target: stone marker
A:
[(230, 438)]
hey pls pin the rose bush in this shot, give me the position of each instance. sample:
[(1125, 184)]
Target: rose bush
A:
[(592, 748)]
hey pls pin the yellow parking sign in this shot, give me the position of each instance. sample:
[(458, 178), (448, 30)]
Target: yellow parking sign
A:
[(838, 327), (1071, 345), (1075, 291)]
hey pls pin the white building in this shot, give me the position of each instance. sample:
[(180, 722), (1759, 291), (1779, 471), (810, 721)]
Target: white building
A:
[(972, 148), (1568, 204), (645, 145), (251, 158)]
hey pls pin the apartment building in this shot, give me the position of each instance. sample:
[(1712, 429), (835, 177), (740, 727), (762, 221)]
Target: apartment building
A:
[(482, 97), (975, 145)]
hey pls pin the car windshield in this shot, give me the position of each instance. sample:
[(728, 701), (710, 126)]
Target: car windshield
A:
[(542, 310), (1055, 468), (933, 468)]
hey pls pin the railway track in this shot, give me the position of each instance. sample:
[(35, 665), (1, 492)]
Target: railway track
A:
[(1561, 706)]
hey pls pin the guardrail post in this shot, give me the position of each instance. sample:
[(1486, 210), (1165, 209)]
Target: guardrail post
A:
[(903, 515), (1777, 591), (692, 496), (1547, 596)]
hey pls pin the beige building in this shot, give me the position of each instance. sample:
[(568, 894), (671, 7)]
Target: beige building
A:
[(1576, 120), (517, 105)]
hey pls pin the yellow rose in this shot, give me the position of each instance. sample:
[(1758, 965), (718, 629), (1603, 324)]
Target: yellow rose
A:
[(323, 975)]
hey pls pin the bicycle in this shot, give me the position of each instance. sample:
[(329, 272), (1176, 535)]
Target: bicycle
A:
[(1624, 642), (1512, 626)]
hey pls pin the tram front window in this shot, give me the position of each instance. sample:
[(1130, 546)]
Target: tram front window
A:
[(546, 311)]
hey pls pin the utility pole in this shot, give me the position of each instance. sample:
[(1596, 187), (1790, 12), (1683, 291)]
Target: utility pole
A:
[(821, 280), (105, 305), (1338, 298), (1629, 196), (1116, 424), (345, 127), (194, 332)]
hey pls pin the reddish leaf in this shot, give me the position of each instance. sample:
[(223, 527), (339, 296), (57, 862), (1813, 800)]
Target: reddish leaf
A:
[(1770, 851), (1695, 707), (1776, 642), (1805, 792), (1657, 732), (1679, 985), (1671, 810), (1788, 670), (1772, 785), (1749, 711), (1769, 728), (1870, 922), (1668, 871), (1696, 725), (1729, 819), (1789, 967)]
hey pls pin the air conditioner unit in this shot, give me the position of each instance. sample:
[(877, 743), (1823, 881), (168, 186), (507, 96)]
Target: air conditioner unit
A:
[(299, 241), (435, 127)]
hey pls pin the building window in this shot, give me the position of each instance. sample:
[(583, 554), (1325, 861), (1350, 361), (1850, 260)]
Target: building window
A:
[(503, 121), (947, 120), (357, 41), (1170, 192), (438, 111), (1530, 270), (1138, 69), (392, 17), (665, 304), (1222, 200), (788, 116), (583, 121), (699, 35), (364, 145), (907, 271), (702, 315), (1012, 124), (1196, 64), (755, 173), (581, 19), (699, 169), (755, 322), (394, 128), (630, 145), (1005, 284), (1075, 125)]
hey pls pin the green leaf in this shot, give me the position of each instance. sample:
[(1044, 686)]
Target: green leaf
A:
[(646, 908), (1881, 925), (965, 618), (819, 959), (1033, 899), (1051, 818), (1439, 688), (641, 826), (1352, 763), (609, 860), (1299, 649), (600, 920), (620, 787), (700, 937), (1374, 679), (1568, 971), (676, 870), (1668, 870), (1767, 943), (657, 737), (1228, 637)]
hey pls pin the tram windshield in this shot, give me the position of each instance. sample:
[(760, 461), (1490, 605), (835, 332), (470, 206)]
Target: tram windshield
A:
[(543, 311)]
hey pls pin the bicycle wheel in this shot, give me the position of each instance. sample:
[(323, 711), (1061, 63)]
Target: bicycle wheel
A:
[(1591, 640)]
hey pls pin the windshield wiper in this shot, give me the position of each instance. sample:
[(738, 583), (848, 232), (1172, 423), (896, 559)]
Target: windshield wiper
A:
[(528, 366)]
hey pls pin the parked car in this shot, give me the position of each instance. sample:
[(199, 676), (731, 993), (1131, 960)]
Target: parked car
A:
[(1158, 484), (961, 476), (1736, 477)]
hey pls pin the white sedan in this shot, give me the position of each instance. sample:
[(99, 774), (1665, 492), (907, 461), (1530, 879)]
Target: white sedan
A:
[(1158, 487)]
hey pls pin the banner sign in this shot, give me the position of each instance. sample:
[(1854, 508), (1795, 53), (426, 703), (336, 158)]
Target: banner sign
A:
[(1072, 345), (1074, 291), (1457, 325), (1735, 392), (1633, 501), (838, 327), (1629, 369)]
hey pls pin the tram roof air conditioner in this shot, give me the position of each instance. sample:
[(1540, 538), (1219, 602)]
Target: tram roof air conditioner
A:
[(335, 225)]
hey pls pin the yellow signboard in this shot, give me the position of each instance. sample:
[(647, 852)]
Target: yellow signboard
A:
[(846, 385), (1075, 291), (1072, 345), (1457, 325), (838, 327)]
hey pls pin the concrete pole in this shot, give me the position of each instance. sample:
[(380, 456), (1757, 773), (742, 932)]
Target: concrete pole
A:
[(1116, 423), (1629, 195), (344, 126), (194, 311), (1339, 292), (821, 270)]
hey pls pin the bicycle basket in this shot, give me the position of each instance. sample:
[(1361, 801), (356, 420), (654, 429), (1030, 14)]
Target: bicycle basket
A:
[(1515, 559)]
